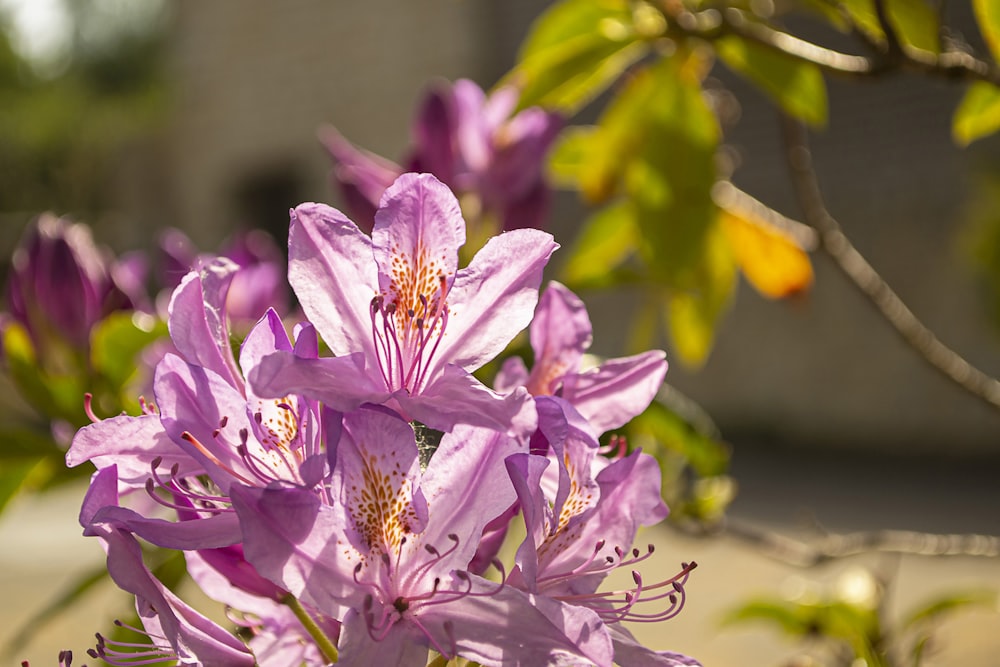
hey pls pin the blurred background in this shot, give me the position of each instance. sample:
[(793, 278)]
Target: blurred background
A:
[(134, 117)]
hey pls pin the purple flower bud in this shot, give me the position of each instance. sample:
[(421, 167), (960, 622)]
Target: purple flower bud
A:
[(61, 284)]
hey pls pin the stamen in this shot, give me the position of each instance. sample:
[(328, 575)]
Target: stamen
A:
[(88, 407), (187, 437)]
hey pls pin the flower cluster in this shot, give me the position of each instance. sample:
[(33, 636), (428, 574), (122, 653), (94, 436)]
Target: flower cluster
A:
[(351, 507)]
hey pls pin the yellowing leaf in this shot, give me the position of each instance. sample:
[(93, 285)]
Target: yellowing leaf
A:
[(770, 259), (978, 114)]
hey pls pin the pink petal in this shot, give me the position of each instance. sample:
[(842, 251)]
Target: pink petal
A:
[(332, 269), (494, 297), (418, 231)]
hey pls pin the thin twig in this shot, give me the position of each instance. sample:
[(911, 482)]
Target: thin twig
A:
[(852, 263), (890, 56), (803, 553)]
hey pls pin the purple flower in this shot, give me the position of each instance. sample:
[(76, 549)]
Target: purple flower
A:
[(209, 429), (490, 156), (582, 512), (608, 395), (259, 282), (387, 550), (177, 631), (61, 284), (407, 324)]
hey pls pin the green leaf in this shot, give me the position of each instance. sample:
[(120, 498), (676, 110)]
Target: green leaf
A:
[(672, 432), (569, 157), (117, 341), (915, 21), (14, 476), (567, 20), (574, 51), (988, 17), (608, 238), (793, 619), (978, 114), (796, 86), (692, 314), (931, 612)]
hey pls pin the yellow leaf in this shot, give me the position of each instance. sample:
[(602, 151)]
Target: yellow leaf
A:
[(771, 261)]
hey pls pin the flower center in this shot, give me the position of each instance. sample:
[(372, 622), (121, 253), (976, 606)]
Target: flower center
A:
[(407, 325)]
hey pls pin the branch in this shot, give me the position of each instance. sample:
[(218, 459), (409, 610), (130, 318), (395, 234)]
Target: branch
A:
[(891, 56), (802, 553), (852, 263)]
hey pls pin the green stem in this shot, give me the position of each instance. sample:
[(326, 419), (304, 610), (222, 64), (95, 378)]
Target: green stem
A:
[(323, 642)]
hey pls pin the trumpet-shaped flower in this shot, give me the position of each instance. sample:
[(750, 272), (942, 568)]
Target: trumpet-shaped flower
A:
[(582, 512), (388, 551), (608, 395), (208, 430), (407, 324)]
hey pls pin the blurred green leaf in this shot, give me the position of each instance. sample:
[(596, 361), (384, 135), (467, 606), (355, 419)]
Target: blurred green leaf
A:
[(671, 174), (988, 17), (16, 474), (916, 21), (693, 313), (978, 114), (793, 619), (796, 86), (574, 51), (672, 432), (932, 611), (54, 395), (607, 240), (19, 442), (116, 343), (569, 156)]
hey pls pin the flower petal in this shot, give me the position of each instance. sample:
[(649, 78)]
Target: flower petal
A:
[(560, 333), (511, 627), (475, 456), (418, 231), (198, 402), (630, 652), (333, 273), (267, 336), (340, 382), (494, 297), (131, 443), (296, 543), (457, 397), (403, 645), (197, 320), (618, 390)]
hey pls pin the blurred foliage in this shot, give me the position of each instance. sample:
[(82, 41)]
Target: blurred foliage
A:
[(650, 163), (849, 625), (63, 127)]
